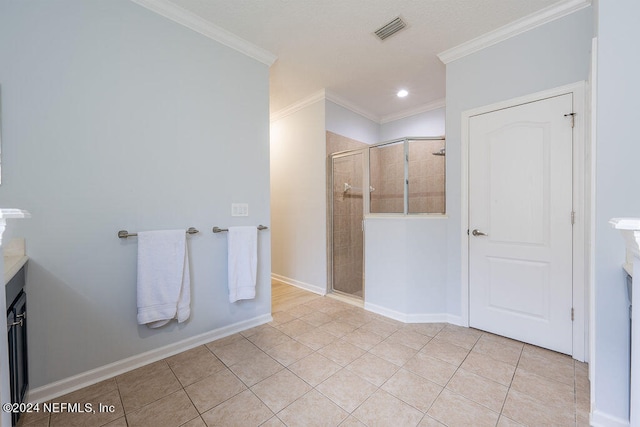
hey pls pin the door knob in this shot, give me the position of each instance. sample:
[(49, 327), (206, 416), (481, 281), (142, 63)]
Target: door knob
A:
[(478, 233)]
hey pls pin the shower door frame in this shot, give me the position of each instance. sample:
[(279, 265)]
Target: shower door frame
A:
[(365, 208)]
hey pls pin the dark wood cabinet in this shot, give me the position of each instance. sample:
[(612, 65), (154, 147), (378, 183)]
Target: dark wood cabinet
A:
[(17, 334)]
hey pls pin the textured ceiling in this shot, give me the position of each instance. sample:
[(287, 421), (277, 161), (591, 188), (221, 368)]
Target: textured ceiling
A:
[(329, 44)]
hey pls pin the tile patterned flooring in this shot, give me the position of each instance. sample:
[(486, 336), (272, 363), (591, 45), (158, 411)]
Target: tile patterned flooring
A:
[(322, 362)]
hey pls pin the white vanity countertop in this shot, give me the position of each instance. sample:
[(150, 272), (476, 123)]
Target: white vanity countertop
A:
[(14, 258)]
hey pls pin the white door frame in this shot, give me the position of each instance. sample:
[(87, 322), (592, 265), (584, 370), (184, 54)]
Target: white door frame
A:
[(580, 298)]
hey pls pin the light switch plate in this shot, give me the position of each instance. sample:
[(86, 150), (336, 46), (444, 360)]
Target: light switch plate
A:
[(239, 209)]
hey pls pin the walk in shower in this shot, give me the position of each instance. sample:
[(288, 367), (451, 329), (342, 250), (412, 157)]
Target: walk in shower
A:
[(396, 178), (347, 210)]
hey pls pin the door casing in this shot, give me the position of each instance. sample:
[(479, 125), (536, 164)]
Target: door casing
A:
[(580, 297)]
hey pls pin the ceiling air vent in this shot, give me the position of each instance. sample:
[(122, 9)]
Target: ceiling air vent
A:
[(390, 29)]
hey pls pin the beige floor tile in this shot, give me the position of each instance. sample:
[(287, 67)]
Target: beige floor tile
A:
[(341, 352), (295, 328), (273, 422), (431, 368), (289, 352), (446, 351), (214, 389), (281, 317), (252, 331), (454, 410), (196, 422), (133, 379), (173, 410), (504, 350), (397, 354), (372, 368), (252, 371), (382, 409), (352, 421), (311, 410), (478, 389), (121, 422), (316, 339), (346, 389), (242, 410), (338, 328), (488, 367), (461, 337), (427, 421), (545, 390), (300, 310), (280, 390), (507, 422), (363, 338), (317, 318), (314, 368), (35, 418), (547, 364), (380, 327), (148, 388), (427, 329), (86, 394), (412, 389), (195, 364), (408, 338), (89, 413), (528, 411), (236, 351), (213, 345), (268, 338)]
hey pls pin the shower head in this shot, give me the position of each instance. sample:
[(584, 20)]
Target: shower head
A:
[(440, 153)]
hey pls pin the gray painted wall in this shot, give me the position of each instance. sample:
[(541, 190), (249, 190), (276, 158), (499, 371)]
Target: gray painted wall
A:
[(115, 117), (617, 195), (345, 122), (429, 123)]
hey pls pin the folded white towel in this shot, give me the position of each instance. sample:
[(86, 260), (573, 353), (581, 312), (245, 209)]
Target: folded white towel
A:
[(163, 277), (242, 262)]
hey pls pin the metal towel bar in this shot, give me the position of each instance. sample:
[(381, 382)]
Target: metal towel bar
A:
[(123, 234), (220, 230)]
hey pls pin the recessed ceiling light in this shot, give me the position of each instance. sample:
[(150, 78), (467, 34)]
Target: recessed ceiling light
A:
[(402, 93)]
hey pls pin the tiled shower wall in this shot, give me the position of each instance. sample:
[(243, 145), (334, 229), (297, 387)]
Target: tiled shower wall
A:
[(426, 178), (347, 215)]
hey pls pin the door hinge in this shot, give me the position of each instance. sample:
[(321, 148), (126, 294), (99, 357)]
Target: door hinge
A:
[(572, 314), (573, 118), (573, 217)]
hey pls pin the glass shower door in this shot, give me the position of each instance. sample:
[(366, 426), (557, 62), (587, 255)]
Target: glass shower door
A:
[(347, 210)]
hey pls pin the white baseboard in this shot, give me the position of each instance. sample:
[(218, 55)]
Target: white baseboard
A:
[(302, 285), (600, 419), (414, 318), (76, 382)]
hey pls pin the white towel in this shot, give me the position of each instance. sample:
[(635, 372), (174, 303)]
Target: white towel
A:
[(163, 277), (242, 262)]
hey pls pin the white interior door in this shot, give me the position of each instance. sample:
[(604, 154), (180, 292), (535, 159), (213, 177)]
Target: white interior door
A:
[(520, 222)]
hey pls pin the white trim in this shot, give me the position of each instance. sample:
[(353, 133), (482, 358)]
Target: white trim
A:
[(298, 284), (592, 221), (579, 231), (329, 96), (414, 317), (297, 106), (196, 23), (513, 29), (600, 419), (76, 382), (352, 107), (433, 105)]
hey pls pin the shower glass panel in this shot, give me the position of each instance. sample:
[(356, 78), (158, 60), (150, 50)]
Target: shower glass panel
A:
[(387, 171), (347, 215), (426, 176)]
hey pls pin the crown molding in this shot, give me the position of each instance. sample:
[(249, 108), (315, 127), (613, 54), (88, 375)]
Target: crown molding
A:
[(297, 106), (513, 29), (352, 107), (194, 22), (434, 105), (329, 96)]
